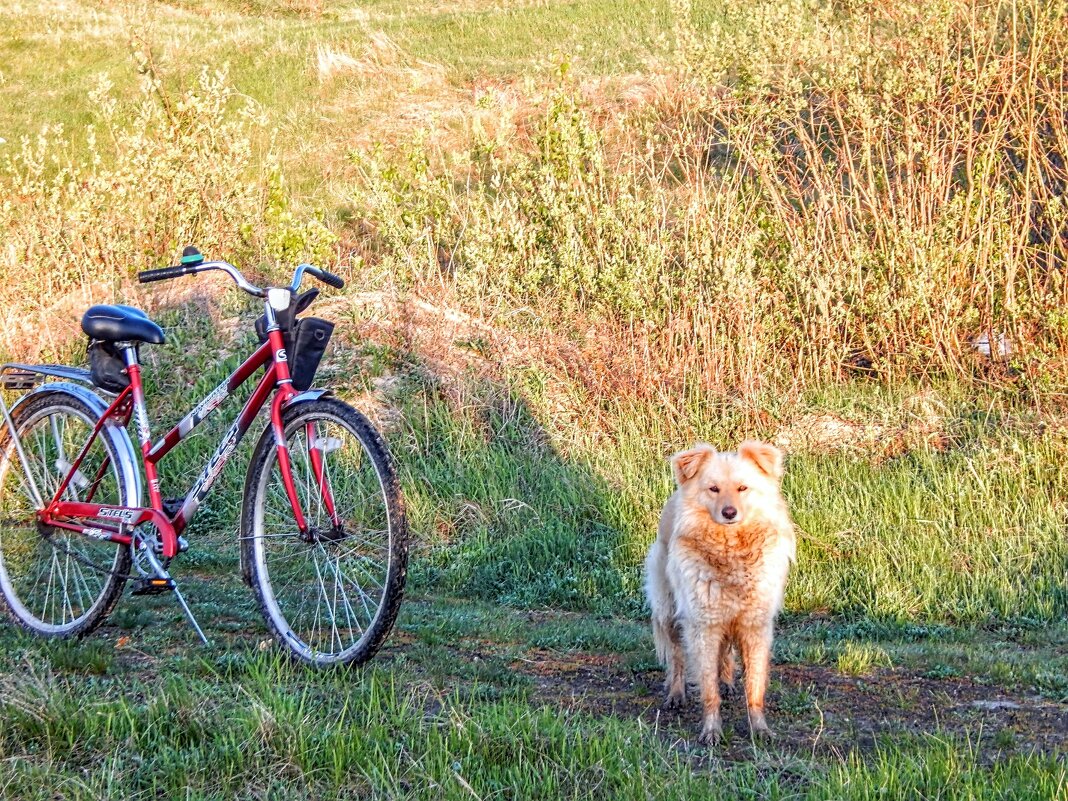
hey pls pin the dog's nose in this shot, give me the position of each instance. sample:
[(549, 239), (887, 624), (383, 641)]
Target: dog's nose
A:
[(730, 512)]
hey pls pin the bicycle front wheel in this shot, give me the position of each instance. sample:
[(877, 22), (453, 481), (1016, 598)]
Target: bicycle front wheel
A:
[(332, 593)]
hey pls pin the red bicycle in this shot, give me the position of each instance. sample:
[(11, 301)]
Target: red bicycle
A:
[(323, 535)]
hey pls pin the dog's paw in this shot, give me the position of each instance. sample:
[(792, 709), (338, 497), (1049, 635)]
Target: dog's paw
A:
[(758, 726), (711, 732), (675, 700)]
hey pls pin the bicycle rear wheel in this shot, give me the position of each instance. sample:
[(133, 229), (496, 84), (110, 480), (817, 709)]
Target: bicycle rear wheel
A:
[(330, 595), (54, 582)]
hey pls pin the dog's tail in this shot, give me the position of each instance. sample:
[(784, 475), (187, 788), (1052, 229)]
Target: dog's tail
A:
[(660, 602), (662, 639)]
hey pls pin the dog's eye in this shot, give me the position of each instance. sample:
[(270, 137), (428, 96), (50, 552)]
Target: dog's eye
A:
[(713, 488), (742, 488)]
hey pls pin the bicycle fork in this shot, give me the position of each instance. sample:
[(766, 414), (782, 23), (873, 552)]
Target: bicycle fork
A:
[(318, 447)]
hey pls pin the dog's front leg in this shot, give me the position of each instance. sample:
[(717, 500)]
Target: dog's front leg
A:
[(756, 656), (706, 644), (676, 668)]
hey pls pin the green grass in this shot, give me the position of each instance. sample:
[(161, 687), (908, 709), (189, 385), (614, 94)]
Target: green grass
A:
[(932, 553), (487, 39), (457, 704), (908, 539), (235, 721), (55, 56)]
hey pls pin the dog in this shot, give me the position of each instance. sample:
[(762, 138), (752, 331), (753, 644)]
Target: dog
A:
[(716, 574)]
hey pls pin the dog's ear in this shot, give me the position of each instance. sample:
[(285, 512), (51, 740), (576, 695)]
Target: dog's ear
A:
[(685, 464), (767, 458)]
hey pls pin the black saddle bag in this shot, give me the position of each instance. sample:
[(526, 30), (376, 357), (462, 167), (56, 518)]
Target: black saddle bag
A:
[(107, 368)]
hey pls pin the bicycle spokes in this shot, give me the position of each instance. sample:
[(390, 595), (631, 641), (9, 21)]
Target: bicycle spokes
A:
[(54, 580), (324, 588)]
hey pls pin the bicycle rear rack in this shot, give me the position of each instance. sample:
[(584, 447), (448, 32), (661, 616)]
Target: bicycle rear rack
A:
[(27, 376), (15, 376)]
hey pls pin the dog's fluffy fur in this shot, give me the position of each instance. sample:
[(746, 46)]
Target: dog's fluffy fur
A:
[(716, 574)]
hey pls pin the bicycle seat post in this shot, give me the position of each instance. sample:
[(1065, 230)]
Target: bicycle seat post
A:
[(133, 369)]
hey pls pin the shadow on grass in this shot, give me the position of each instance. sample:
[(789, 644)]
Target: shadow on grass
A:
[(496, 512), (502, 515)]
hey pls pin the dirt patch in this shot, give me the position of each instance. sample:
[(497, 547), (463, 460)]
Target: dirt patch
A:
[(812, 709)]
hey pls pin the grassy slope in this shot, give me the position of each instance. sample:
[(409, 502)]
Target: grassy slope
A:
[(945, 564)]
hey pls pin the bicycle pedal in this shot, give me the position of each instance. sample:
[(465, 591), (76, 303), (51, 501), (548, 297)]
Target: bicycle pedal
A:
[(152, 586)]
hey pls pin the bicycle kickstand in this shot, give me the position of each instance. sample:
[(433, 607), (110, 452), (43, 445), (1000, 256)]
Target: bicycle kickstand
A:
[(163, 575)]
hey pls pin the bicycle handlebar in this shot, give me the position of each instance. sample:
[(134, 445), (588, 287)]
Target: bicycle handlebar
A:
[(325, 276), (178, 270), (163, 273)]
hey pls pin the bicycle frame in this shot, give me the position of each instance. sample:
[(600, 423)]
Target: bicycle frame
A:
[(117, 522)]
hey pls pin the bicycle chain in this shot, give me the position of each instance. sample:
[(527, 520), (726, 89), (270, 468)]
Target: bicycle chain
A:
[(84, 560)]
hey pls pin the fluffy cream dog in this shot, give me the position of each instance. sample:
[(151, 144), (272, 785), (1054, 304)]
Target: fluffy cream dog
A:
[(716, 574)]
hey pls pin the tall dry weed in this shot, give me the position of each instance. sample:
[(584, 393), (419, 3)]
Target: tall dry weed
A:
[(868, 187), (174, 168)]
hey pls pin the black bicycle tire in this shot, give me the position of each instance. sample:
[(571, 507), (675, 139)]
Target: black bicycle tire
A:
[(393, 587)]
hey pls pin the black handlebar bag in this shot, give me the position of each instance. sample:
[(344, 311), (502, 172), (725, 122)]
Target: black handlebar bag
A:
[(305, 339), (305, 346)]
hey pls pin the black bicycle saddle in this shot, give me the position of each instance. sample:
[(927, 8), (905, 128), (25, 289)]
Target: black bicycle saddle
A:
[(120, 324)]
